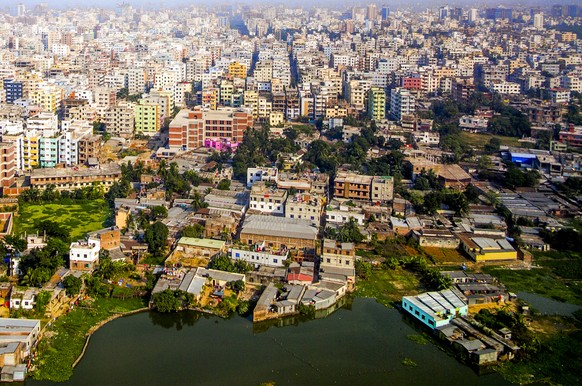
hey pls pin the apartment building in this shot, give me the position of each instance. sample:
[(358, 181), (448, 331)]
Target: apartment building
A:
[(190, 128), (377, 103), (360, 187), (7, 164), (147, 118), (267, 200), (70, 179), (402, 102), (119, 120)]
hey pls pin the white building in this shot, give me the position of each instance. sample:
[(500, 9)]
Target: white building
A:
[(261, 174), (402, 102), (84, 254), (260, 255)]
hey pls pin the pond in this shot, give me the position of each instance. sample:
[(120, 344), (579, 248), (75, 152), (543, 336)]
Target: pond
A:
[(546, 305), (363, 343)]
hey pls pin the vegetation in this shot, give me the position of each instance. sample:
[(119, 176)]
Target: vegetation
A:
[(171, 301), (388, 286), (348, 232), (76, 218), (72, 284), (40, 264), (223, 263), (65, 338), (156, 236), (540, 281)]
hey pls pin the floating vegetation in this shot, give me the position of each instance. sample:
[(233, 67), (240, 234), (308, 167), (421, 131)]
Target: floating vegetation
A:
[(409, 362), (418, 339)]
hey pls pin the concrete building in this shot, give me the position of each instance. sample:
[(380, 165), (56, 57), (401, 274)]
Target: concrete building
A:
[(376, 103), (69, 179), (190, 128), (147, 117), (436, 309), (402, 102), (7, 164), (267, 200), (260, 254), (84, 254), (24, 331), (279, 232)]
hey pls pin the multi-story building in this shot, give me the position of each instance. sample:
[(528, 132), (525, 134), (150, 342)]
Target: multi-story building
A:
[(70, 179), (13, 90), (7, 164), (402, 102), (190, 128), (360, 187), (147, 118), (267, 200), (119, 120), (84, 254), (376, 103), (305, 206), (237, 70)]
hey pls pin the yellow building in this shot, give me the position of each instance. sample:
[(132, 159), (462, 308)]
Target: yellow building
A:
[(210, 98), (237, 70), (376, 103), (487, 249), (48, 98), (147, 118), (251, 100), (276, 118), (30, 152), (226, 91), (336, 112)]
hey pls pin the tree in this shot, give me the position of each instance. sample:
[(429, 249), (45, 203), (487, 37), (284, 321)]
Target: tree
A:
[(52, 229), (237, 285), (72, 284), (15, 243), (223, 185), (194, 230), (158, 212), (493, 145), (471, 193), (156, 237), (167, 301)]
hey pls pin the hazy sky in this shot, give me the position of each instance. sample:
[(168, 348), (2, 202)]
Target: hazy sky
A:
[(336, 3)]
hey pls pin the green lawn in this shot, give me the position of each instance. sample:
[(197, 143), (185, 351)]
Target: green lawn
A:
[(479, 140), (65, 338), (388, 285), (78, 217), (540, 281)]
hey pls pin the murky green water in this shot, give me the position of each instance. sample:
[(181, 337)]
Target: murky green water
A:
[(547, 305), (361, 344)]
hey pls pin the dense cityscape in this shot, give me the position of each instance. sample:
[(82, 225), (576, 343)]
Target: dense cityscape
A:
[(280, 163)]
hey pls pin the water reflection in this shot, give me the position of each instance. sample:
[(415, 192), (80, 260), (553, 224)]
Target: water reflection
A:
[(177, 321)]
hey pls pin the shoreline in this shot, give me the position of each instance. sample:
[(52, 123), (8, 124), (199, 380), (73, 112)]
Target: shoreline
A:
[(96, 327), (102, 323)]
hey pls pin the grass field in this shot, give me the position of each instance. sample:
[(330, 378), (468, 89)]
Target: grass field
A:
[(446, 255), (540, 281), (479, 140), (388, 285), (78, 217)]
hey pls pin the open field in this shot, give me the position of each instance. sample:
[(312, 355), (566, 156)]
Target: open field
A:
[(388, 285), (479, 140), (540, 281), (78, 217), (446, 255)]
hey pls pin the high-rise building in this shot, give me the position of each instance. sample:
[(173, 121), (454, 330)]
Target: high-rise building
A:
[(472, 16), (385, 12), (7, 164), (376, 103), (538, 21), (402, 102), (372, 12), (499, 13), (20, 9), (13, 90)]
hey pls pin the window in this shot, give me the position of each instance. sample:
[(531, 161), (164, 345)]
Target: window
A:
[(416, 313), (275, 261), (422, 317), (237, 254), (431, 322)]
